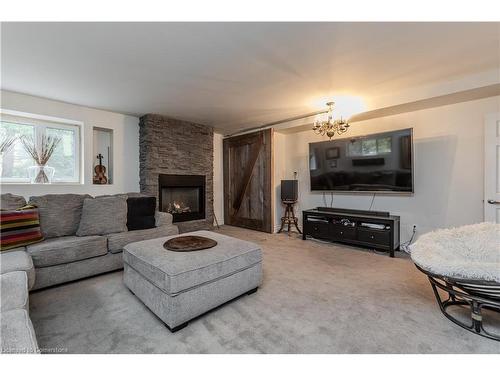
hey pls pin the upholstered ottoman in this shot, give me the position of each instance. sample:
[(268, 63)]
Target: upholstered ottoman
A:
[(179, 286)]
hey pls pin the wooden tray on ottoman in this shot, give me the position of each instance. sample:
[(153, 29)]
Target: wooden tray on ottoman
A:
[(189, 243)]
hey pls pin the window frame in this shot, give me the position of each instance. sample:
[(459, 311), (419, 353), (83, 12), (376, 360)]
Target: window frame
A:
[(45, 122)]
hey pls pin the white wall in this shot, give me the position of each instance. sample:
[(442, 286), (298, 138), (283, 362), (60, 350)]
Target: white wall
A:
[(280, 173), (125, 139), (218, 178), (448, 159)]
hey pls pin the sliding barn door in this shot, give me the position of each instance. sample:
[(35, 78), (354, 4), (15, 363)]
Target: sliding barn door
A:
[(248, 181)]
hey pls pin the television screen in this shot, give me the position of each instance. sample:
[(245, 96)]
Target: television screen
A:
[(375, 162)]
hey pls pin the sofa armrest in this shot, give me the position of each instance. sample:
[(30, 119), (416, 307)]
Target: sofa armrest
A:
[(163, 218), (18, 259)]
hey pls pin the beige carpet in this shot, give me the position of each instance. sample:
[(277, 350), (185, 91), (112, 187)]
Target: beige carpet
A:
[(316, 298)]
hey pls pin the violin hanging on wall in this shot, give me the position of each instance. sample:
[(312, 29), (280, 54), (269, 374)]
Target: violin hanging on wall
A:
[(100, 172)]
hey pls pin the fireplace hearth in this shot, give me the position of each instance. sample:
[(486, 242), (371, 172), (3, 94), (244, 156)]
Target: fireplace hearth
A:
[(183, 196)]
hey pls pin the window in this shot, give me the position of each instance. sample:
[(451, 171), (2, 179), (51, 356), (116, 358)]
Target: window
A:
[(65, 159), (370, 146)]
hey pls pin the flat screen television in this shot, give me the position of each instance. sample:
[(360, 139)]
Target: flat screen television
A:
[(381, 162)]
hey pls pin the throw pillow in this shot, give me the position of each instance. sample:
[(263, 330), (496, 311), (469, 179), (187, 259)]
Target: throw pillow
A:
[(141, 212), (59, 213), (10, 201), (19, 227), (103, 215)]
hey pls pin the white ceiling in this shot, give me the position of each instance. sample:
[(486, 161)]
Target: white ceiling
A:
[(236, 75)]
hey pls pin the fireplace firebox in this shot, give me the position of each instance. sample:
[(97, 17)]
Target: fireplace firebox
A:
[(182, 195)]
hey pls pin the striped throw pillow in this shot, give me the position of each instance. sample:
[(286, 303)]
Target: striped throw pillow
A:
[(19, 227)]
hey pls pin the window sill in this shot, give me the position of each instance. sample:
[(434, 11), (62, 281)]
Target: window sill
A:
[(51, 184)]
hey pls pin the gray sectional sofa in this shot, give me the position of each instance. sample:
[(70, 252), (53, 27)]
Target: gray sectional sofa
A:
[(61, 257), (16, 278)]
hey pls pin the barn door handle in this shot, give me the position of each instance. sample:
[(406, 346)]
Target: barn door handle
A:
[(491, 201)]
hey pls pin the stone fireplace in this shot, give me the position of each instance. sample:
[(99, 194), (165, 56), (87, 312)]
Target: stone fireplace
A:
[(182, 195), (176, 166)]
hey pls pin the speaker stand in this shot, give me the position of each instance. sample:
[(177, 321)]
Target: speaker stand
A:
[(289, 217)]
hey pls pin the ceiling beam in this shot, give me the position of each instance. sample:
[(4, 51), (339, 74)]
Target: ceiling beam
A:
[(436, 101)]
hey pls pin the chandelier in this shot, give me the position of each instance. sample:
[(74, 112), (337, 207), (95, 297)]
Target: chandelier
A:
[(330, 127)]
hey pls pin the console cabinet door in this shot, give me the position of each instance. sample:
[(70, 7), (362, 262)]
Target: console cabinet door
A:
[(317, 229), (248, 181)]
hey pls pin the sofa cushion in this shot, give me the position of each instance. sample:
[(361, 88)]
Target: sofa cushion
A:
[(17, 333), (62, 273), (141, 212), (59, 213), (103, 215), (174, 272), (19, 227), (18, 260), (117, 241), (14, 290), (10, 201), (66, 249)]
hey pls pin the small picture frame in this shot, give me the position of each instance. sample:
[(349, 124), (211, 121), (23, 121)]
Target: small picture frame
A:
[(332, 153), (333, 163)]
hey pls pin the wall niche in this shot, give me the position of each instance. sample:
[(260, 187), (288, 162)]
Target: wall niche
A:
[(102, 166)]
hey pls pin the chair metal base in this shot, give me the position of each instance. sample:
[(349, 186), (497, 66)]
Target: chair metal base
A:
[(458, 296)]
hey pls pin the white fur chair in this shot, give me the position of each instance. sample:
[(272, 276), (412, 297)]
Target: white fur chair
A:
[(464, 263)]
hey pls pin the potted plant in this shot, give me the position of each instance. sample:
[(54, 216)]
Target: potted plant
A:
[(41, 153)]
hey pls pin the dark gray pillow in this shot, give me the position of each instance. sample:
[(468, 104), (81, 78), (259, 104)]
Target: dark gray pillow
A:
[(10, 201), (103, 215), (59, 213)]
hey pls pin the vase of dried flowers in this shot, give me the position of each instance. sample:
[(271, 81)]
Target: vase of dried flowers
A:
[(41, 153), (6, 144), (41, 174)]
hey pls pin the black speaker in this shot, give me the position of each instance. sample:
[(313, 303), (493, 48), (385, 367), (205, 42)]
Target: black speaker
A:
[(289, 190)]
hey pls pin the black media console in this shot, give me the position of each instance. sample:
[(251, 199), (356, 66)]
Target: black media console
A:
[(374, 229)]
